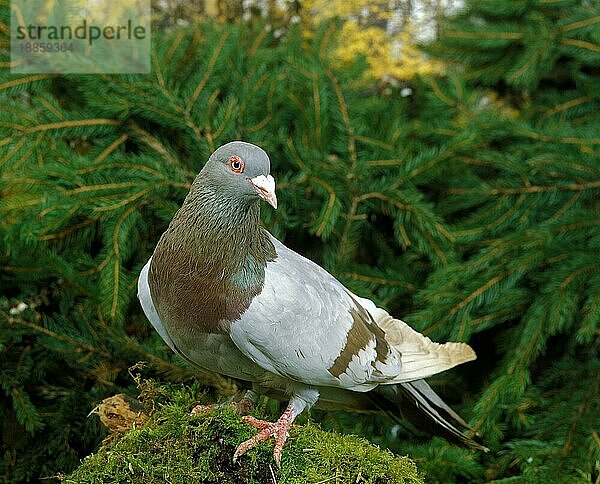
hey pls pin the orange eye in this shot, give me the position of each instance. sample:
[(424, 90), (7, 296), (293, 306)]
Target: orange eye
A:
[(236, 164)]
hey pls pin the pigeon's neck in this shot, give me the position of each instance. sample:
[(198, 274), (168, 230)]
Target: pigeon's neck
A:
[(221, 227), (210, 263)]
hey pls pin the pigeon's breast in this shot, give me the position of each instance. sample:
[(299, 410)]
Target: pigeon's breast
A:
[(192, 299), (199, 294), (211, 352)]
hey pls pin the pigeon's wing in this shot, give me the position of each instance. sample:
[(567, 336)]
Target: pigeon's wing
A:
[(305, 325)]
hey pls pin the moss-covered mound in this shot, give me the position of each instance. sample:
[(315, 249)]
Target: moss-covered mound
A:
[(175, 446)]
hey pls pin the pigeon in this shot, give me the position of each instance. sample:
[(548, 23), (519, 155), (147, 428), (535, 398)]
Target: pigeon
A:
[(230, 298)]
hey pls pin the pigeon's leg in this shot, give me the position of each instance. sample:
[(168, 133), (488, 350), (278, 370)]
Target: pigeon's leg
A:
[(278, 429), (245, 405)]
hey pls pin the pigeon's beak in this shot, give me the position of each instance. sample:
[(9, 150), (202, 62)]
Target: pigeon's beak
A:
[(265, 187)]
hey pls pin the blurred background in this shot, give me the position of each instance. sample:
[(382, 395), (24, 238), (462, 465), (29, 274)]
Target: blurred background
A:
[(440, 157)]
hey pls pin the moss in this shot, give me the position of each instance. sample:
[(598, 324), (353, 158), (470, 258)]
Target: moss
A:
[(175, 446)]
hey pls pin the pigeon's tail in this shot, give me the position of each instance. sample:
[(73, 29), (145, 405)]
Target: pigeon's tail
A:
[(423, 408), (419, 356)]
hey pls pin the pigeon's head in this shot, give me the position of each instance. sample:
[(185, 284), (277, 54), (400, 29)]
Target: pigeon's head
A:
[(241, 170)]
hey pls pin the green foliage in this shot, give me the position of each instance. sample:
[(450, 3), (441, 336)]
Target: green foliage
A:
[(179, 447), (522, 44), (471, 208)]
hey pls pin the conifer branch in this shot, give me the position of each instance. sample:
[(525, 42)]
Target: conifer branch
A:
[(484, 35), (436, 248), (562, 210), (117, 254), (527, 189), (73, 343), (581, 43), (72, 229), (257, 43), (567, 105), (378, 280), (71, 124), (25, 80), (374, 142), (441, 96), (123, 202), (580, 24), (342, 247), (111, 166), (208, 70), (592, 392), (345, 116), (13, 151), (50, 107), (385, 198), (330, 204), (385, 162), (110, 148), (566, 140)]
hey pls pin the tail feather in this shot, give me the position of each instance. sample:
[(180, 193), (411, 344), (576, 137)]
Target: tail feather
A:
[(422, 407), (420, 357)]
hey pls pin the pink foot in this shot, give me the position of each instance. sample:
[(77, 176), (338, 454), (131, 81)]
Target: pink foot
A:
[(278, 429)]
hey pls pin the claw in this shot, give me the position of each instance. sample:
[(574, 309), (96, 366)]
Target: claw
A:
[(278, 429)]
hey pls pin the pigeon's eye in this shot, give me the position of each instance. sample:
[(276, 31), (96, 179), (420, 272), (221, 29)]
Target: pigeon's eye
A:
[(236, 164)]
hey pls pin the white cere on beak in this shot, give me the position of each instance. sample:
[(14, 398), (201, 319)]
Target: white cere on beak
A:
[(265, 187)]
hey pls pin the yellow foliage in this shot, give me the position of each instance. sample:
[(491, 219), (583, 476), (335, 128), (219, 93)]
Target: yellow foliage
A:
[(342, 8), (389, 55)]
